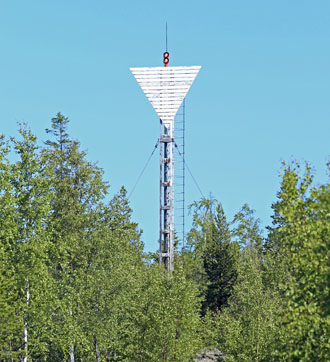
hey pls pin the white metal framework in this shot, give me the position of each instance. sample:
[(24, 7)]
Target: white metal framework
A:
[(166, 88)]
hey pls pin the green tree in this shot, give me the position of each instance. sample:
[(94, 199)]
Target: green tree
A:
[(10, 324), (197, 239), (95, 255), (299, 240), (164, 320), (78, 190), (247, 328), (25, 204), (247, 230), (220, 262), (74, 282), (111, 282), (211, 262)]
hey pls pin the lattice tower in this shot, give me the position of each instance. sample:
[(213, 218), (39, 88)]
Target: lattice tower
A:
[(166, 88)]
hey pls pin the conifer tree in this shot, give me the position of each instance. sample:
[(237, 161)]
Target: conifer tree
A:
[(220, 262), (212, 261)]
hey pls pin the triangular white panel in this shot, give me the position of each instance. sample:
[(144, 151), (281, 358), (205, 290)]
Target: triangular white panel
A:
[(165, 87)]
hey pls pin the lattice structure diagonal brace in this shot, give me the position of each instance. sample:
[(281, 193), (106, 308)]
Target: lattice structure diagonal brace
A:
[(166, 88)]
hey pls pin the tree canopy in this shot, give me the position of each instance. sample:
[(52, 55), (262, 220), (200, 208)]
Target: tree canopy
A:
[(76, 284)]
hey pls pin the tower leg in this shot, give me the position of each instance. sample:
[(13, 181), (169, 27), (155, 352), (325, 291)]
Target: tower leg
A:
[(166, 234)]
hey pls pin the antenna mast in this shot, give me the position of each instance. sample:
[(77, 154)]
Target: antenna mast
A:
[(166, 184), (166, 38)]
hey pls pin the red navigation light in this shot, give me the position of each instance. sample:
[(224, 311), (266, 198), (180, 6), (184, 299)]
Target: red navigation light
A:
[(166, 59)]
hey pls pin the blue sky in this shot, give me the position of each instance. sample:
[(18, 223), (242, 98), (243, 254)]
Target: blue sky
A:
[(262, 95)]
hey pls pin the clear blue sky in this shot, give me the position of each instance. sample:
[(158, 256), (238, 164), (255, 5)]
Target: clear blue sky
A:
[(262, 95)]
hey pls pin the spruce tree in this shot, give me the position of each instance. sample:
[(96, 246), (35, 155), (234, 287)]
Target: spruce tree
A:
[(212, 261), (220, 262)]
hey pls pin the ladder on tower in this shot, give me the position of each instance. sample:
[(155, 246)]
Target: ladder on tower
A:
[(179, 178)]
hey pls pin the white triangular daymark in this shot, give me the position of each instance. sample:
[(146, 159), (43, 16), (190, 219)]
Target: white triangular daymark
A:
[(165, 87)]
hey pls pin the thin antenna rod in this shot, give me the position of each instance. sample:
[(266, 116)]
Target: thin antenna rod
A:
[(166, 36)]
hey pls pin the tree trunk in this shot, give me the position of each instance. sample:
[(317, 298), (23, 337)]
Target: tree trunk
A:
[(97, 354), (27, 300), (72, 353)]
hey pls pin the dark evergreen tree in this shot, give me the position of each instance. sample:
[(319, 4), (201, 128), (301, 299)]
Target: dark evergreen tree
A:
[(212, 261), (220, 262)]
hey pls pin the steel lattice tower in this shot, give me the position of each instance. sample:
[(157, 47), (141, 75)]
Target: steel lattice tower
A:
[(166, 88)]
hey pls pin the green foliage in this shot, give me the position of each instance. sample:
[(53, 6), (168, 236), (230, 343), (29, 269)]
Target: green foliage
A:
[(279, 308), (247, 229), (11, 325), (197, 241), (74, 284), (23, 238), (220, 263), (164, 318), (299, 241), (212, 260), (247, 328), (78, 189)]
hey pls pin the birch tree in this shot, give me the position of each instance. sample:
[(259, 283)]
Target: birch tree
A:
[(300, 240)]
